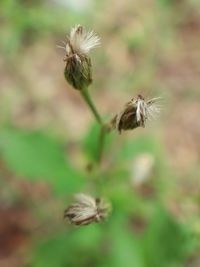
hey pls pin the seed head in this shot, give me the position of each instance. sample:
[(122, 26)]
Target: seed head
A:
[(81, 41), (78, 70), (135, 114), (86, 210)]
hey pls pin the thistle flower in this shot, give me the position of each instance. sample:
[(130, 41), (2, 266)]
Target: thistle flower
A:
[(78, 70), (86, 210), (135, 113)]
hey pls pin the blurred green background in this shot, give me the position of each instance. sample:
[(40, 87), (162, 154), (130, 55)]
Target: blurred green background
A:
[(48, 136)]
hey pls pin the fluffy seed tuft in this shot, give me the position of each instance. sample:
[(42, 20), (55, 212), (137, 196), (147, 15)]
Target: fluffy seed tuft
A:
[(86, 210)]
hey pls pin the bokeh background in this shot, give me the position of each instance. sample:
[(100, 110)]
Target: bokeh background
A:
[(48, 136)]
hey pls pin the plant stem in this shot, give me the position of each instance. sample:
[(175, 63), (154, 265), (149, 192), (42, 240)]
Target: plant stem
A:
[(91, 105), (104, 128), (101, 143)]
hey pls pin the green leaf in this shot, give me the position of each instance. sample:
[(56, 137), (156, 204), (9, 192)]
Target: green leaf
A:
[(69, 248), (124, 250), (51, 252), (166, 241), (36, 156)]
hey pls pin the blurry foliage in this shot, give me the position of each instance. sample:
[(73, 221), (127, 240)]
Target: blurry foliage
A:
[(37, 156), (23, 22), (90, 142), (113, 244), (166, 239)]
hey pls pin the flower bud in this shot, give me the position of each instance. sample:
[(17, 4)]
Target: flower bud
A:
[(78, 70)]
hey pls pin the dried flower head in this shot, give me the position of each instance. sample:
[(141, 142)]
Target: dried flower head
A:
[(135, 114), (78, 71), (86, 210)]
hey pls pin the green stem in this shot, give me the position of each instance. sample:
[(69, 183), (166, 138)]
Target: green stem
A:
[(104, 127), (101, 144), (91, 105)]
